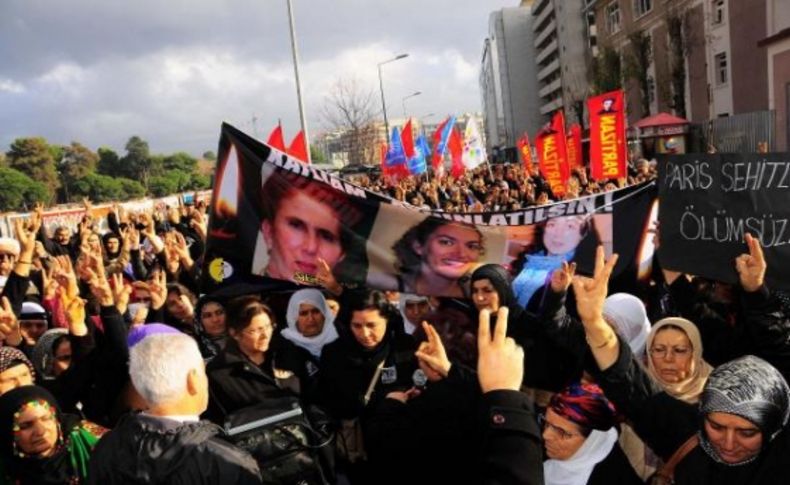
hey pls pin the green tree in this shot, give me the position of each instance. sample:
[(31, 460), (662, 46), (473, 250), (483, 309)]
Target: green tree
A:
[(97, 187), (32, 157), (109, 163), (607, 71), (317, 155), (199, 182), (209, 155), (179, 161), (637, 64), (132, 189), (137, 163), (20, 192), (76, 163), (161, 185)]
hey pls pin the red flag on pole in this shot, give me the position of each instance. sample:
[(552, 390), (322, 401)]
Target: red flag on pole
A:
[(408, 140), (552, 155), (607, 136), (298, 149), (575, 147), (456, 147), (275, 139), (526, 152)]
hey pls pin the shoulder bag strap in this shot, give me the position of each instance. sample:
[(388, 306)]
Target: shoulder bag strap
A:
[(667, 471), (373, 382)]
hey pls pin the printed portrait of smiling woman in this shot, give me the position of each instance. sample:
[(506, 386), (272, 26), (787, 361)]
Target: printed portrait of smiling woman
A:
[(435, 256)]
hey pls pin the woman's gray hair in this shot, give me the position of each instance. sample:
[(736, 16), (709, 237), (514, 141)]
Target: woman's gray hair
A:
[(159, 365)]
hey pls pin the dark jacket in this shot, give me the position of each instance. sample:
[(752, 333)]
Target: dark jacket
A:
[(235, 382), (615, 468), (147, 450), (304, 366), (347, 370)]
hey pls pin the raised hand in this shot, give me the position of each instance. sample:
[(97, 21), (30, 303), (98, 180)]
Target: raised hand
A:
[(65, 276), (591, 292), (121, 292), (751, 267), (75, 314), (100, 287), (562, 277), (9, 325), (431, 355), (326, 278), (500, 362)]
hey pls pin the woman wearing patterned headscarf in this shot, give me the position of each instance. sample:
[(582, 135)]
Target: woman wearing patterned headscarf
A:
[(40, 445), (580, 440), (15, 369)]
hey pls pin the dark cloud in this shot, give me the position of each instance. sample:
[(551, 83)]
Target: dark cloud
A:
[(99, 71)]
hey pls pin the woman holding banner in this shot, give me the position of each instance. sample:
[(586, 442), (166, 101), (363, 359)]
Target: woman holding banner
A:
[(435, 256), (303, 221)]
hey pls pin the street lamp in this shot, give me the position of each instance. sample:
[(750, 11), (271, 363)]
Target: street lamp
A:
[(422, 124), (403, 101), (384, 103)]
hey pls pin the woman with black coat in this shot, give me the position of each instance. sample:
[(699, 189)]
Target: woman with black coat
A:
[(374, 347)]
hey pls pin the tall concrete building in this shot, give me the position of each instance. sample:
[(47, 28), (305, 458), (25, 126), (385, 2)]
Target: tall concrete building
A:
[(508, 79), (777, 49), (561, 55)]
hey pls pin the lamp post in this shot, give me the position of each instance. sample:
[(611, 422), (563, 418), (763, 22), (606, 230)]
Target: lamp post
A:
[(422, 124), (403, 101), (384, 103), (295, 53)]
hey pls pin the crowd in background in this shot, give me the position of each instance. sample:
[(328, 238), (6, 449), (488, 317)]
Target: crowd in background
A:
[(102, 375)]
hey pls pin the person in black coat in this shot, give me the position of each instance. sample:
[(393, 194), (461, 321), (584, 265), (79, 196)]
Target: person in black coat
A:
[(243, 374)]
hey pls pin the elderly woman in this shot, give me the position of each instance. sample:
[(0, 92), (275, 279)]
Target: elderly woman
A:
[(40, 444), (414, 309), (311, 326), (15, 369), (580, 439), (737, 433), (243, 374)]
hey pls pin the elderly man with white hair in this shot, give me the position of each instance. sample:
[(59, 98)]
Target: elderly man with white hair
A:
[(167, 443)]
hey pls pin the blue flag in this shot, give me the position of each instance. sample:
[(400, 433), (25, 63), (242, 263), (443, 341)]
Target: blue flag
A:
[(396, 156), (418, 164)]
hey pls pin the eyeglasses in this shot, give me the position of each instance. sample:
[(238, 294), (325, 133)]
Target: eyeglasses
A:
[(663, 352), (7, 256), (257, 332), (563, 434)]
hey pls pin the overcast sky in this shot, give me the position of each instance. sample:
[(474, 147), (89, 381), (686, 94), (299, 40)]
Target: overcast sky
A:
[(170, 71)]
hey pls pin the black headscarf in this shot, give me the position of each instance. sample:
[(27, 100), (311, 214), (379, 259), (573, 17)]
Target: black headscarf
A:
[(518, 319), (73, 443)]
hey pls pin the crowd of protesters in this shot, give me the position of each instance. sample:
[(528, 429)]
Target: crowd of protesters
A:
[(498, 187), (115, 369)]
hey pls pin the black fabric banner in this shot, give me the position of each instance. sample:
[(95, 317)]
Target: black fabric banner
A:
[(708, 203), (272, 218)]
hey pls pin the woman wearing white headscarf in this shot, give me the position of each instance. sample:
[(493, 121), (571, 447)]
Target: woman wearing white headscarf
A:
[(413, 309), (627, 314), (311, 325)]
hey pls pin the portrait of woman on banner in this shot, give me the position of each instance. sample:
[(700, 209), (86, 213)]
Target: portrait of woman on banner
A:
[(555, 241), (304, 221), (434, 257)]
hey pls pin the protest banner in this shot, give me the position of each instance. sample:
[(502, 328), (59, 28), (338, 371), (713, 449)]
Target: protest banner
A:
[(708, 204), (551, 144), (607, 136), (272, 219)]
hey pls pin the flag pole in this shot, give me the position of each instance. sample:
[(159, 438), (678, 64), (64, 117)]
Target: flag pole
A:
[(295, 53)]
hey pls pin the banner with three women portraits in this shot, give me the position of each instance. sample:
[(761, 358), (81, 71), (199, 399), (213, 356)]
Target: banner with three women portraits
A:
[(277, 224)]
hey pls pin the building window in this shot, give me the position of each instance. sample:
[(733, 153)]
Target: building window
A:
[(641, 7), (720, 63), (718, 12), (613, 17)]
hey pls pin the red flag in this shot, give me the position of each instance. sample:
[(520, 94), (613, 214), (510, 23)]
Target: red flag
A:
[(298, 149), (607, 136), (408, 140), (276, 139), (526, 152), (437, 161), (456, 147), (575, 147), (552, 155)]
